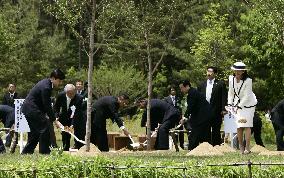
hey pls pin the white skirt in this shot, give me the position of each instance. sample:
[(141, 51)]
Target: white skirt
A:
[(245, 117)]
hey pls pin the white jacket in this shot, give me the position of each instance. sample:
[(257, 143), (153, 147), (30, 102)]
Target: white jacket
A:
[(244, 97)]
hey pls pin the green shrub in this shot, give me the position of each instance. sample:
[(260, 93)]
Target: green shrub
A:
[(268, 134), (137, 164)]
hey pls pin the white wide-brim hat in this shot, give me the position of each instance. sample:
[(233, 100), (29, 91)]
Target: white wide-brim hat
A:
[(239, 66)]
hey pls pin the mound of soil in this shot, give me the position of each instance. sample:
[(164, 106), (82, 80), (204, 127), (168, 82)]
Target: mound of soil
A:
[(272, 153), (94, 151), (124, 150), (225, 148), (258, 149), (93, 148), (204, 149)]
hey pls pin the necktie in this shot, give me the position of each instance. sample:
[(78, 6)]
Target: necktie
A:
[(174, 101), (210, 82), (11, 95), (68, 103)]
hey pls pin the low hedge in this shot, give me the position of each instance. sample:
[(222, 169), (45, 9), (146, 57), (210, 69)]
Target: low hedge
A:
[(138, 165)]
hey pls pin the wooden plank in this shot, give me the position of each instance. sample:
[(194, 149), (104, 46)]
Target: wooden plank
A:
[(110, 138), (121, 142)]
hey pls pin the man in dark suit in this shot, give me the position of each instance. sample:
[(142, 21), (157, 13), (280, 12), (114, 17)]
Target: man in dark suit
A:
[(175, 101), (104, 108), (35, 108), (2, 147), (216, 93), (256, 129), (277, 118), (79, 87), (163, 114), (9, 97), (68, 110), (7, 117), (198, 114)]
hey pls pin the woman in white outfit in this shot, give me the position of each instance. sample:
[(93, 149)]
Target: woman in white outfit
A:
[(243, 100)]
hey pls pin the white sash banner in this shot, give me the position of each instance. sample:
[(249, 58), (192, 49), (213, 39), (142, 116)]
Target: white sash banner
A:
[(21, 124)]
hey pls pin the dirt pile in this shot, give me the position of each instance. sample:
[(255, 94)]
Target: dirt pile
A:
[(93, 148), (272, 153), (258, 149), (204, 149), (94, 151), (124, 151), (225, 148)]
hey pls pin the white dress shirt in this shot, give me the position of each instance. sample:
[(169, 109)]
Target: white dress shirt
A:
[(173, 99), (209, 88), (68, 101), (12, 95)]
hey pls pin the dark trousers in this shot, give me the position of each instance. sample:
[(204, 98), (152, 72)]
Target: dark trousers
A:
[(8, 139), (9, 124), (66, 140), (99, 136), (279, 133), (180, 137), (256, 131), (162, 142), (2, 147), (198, 135), (40, 133), (52, 135), (66, 137), (215, 127), (80, 132)]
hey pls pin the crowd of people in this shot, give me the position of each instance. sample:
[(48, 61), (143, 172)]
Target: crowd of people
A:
[(203, 116)]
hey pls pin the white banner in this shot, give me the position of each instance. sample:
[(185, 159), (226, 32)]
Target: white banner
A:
[(21, 124)]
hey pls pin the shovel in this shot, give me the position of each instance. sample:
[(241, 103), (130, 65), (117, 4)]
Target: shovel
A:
[(152, 135), (133, 144), (67, 131)]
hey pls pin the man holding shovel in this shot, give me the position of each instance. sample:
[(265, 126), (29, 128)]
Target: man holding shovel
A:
[(163, 115), (36, 108), (68, 110), (104, 108), (198, 113)]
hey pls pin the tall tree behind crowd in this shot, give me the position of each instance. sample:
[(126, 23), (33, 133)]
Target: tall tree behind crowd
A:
[(28, 52)]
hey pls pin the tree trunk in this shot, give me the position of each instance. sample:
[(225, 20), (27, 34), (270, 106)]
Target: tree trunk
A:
[(150, 85), (90, 76)]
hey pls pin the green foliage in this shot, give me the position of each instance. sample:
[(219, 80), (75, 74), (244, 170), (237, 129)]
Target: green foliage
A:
[(134, 20), (31, 52), (37, 36), (112, 80), (267, 132), (68, 12), (117, 79), (72, 75), (160, 89), (214, 44), (262, 34), (133, 124), (154, 163)]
